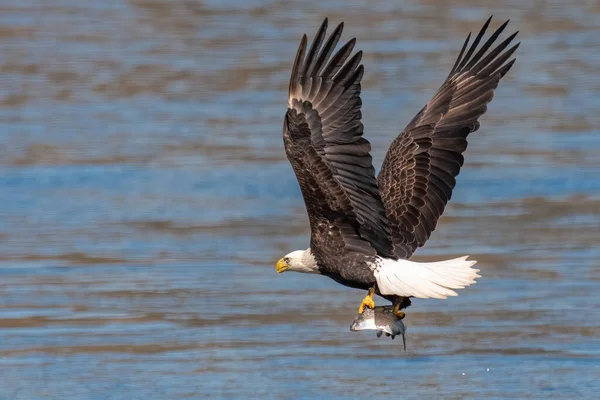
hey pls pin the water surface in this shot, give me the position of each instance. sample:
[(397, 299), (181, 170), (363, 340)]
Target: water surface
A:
[(146, 199)]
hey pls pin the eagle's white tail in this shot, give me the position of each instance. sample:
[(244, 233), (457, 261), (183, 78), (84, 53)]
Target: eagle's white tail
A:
[(425, 280)]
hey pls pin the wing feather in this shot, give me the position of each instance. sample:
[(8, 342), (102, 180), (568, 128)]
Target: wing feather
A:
[(323, 141), (311, 58), (420, 168)]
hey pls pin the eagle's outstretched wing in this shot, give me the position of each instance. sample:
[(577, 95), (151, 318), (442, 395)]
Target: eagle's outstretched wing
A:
[(323, 141), (419, 170)]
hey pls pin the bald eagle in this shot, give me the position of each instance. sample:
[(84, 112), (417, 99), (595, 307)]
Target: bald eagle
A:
[(364, 229)]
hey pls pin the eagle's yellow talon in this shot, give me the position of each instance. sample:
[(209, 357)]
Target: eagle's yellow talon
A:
[(396, 311), (367, 301)]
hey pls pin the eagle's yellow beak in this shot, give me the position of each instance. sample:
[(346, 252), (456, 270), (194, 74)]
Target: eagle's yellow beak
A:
[(281, 266)]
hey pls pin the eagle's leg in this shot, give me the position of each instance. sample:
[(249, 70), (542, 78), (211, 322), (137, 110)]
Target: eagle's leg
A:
[(397, 312), (367, 301), (400, 303)]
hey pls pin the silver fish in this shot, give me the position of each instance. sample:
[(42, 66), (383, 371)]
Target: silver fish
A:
[(380, 319)]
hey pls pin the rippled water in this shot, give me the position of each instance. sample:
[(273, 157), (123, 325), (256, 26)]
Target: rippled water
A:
[(146, 198)]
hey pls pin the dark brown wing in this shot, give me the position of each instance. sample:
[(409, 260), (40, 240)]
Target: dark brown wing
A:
[(323, 141), (418, 174)]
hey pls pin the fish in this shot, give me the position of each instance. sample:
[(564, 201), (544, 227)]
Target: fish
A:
[(380, 319)]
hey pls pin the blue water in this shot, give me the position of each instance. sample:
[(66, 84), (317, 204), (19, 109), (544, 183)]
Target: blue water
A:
[(147, 197)]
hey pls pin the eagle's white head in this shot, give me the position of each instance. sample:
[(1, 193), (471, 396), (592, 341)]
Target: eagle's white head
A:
[(299, 261)]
